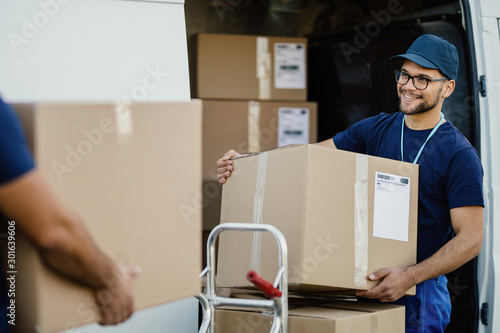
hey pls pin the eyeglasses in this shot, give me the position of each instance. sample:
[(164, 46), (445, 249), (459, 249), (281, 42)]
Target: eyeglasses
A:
[(419, 82)]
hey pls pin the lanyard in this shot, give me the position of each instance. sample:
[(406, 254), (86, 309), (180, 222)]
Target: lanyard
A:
[(421, 148)]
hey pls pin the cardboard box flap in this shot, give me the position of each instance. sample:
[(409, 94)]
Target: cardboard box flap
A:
[(275, 149), (249, 67)]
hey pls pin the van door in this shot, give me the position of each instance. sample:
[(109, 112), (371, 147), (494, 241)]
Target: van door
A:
[(485, 21)]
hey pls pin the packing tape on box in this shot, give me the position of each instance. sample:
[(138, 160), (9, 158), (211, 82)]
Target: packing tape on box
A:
[(373, 323), (123, 120), (361, 221), (264, 68), (253, 126), (258, 205)]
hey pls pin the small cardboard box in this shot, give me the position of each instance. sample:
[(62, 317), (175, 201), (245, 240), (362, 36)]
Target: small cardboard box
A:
[(344, 215), (248, 126), (248, 67), (130, 173), (335, 317)]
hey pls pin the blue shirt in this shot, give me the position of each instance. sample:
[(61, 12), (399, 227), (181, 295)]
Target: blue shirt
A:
[(15, 160), (451, 174), (15, 156)]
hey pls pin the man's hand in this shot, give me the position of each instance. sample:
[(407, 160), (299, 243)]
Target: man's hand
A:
[(468, 226), (225, 165), (116, 302), (394, 283)]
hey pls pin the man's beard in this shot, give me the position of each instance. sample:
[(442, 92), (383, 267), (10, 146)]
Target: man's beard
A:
[(420, 108)]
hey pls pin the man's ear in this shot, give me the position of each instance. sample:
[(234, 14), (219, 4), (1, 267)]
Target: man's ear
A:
[(448, 88)]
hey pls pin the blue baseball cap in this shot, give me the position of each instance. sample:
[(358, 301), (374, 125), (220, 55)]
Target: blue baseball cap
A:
[(433, 52)]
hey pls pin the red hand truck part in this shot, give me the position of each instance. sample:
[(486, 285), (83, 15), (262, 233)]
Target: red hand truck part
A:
[(263, 285)]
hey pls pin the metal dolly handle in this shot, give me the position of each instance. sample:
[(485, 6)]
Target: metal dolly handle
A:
[(279, 297)]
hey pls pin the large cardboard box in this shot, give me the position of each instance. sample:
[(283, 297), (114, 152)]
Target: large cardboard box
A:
[(120, 169), (248, 67), (335, 317), (248, 126), (344, 215)]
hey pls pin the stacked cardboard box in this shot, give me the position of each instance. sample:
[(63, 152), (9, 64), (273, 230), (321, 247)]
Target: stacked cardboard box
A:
[(317, 316), (344, 215), (131, 174), (248, 67)]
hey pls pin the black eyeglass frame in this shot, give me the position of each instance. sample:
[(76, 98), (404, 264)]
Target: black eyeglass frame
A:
[(398, 73)]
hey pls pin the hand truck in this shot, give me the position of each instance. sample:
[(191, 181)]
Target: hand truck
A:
[(278, 298)]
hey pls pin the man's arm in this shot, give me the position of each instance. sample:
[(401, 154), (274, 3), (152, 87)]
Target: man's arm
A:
[(468, 225), (65, 245)]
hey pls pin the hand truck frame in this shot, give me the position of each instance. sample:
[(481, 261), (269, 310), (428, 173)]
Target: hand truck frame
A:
[(278, 292)]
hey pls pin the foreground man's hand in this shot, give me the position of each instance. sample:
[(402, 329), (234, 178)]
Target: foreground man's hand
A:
[(115, 302)]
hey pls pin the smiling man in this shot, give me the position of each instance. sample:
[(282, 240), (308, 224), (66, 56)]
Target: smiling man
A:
[(450, 220), (450, 211)]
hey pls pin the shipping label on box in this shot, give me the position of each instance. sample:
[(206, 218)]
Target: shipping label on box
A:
[(290, 65), (293, 126)]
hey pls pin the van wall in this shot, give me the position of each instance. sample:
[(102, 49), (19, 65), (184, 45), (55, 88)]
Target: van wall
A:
[(93, 50)]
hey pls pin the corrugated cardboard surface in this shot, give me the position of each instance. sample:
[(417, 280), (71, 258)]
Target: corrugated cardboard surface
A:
[(309, 196), (133, 176), (226, 68), (388, 317), (336, 317), (226, 126)]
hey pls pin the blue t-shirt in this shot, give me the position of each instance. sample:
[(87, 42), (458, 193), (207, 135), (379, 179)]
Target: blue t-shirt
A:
[(15, 156), (15, 160), (450, 176)]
